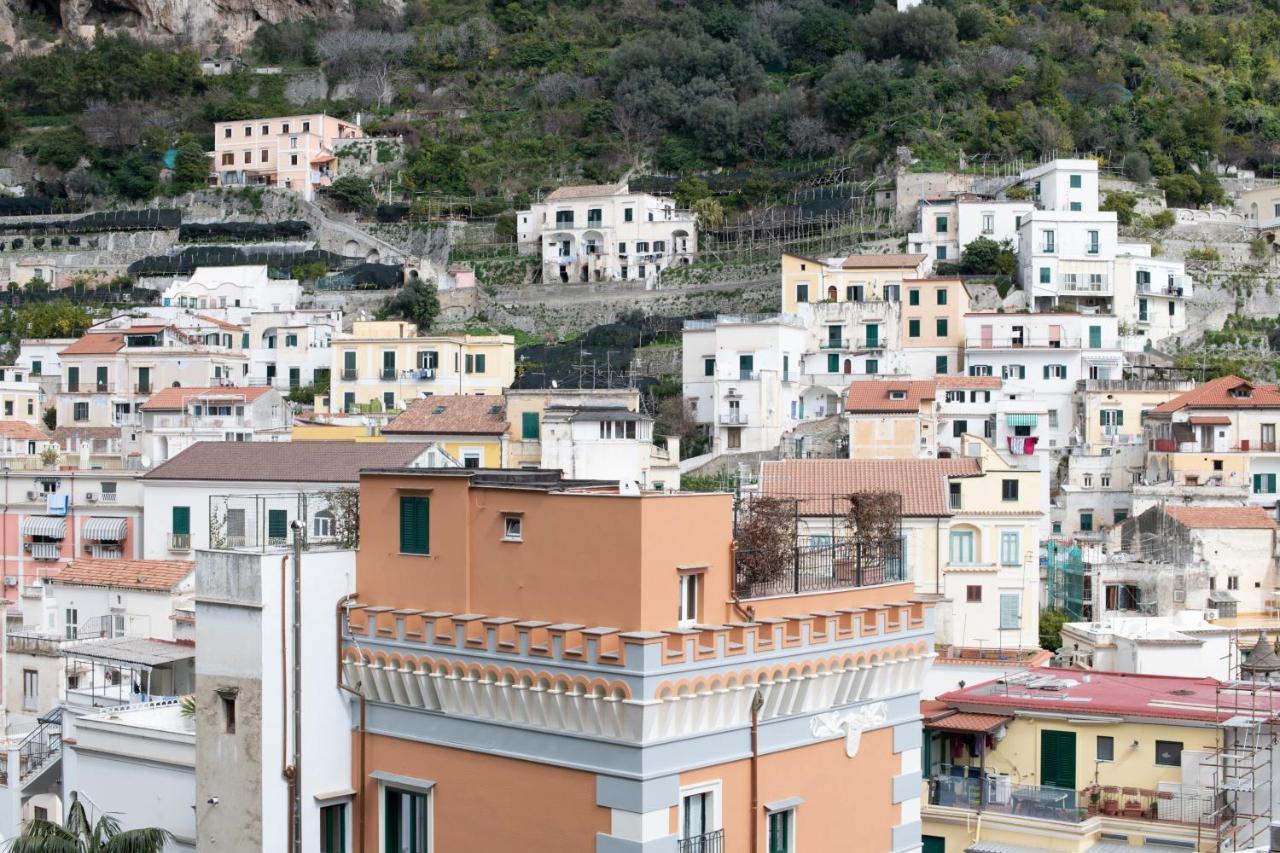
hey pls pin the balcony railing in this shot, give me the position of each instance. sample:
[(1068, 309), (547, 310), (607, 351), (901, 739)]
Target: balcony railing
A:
[(834, 343), (1161, 289), (349, 375), (1024, 342), (708, 842), (1164, 445), (46, 550), (388, 373), (179, 541), (733, 418), (142, 389), (818, 567), (1078, 283)]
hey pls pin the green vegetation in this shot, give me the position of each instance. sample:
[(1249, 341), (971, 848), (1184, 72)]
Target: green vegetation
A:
[(416, 302), (78, 834), (506, 96), (987, 257), (1051, 622)]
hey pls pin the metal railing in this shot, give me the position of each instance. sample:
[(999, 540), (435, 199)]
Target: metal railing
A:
[(708, 842), (46, 550), (349, 375), (818, 567), (179, 541), (388, 373), (733, 418), (1025, 342)]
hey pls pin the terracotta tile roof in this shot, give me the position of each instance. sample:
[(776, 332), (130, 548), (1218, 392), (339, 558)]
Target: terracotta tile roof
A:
[(285, 461), (1211, 420), (583, 191), (443, 414), (220, 323), (162, 575), (96, 343), (974, 723), (945, 382), (21, 429), (1216, 394), (921, 482), (62, 433), (873, 395), (168, 399), (865, 262), (1222, 517)]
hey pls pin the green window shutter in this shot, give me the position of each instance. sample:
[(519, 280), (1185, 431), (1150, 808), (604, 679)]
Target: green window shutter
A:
[(913, 297), (913, 328), (940, 364), (1119, 417), (942, 325), (1058, 759), (1046, 371), (182, 519), (415, 525), (833, 363), (480, 363), (277, 524), (349, 360), (529, 426), (244, 340), (1095, 337), (1257, 484), (942, 297), (1009, 607)]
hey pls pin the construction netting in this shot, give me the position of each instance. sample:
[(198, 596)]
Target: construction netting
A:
[(189, 259), (1064, 578), (243, 232), (152, 219), (37, 205)]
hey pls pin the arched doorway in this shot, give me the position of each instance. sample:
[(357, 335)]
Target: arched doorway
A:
[(848, 366), (831, 293)]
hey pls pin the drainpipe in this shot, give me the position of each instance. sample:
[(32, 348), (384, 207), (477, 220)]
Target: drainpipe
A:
[(757, 702), (937, 556), (358, 816), (286, 769), (296, 802)]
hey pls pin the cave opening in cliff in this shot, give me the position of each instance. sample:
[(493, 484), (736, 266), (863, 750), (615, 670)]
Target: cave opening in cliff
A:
[(112, 14), (49, 10)]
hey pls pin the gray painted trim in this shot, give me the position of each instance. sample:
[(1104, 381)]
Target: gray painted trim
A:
[(908, 736), (613, 844), (406, 781), (783, 805), (637, 796), (906, 836), (906, 787)]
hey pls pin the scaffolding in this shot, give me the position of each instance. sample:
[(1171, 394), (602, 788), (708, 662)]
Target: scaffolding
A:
[(1065, 579), (1240, 767)]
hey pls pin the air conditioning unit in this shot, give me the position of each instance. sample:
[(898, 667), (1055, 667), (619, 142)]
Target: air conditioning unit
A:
[(10, 580), (31, 496), (1210, 615), (91, 496)]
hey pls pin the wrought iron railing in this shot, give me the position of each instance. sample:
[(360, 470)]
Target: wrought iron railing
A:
[(708, 842), (820, 566)]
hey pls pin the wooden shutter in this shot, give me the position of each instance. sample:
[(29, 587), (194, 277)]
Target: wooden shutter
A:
[(277, 524), (1058, 759), (529, 425), (182, 519), (1009, 615), (415, 525)]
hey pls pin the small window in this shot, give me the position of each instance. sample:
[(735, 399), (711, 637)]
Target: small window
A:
[(1233, 582), (782, 831), (973, 594), (1169, 753), (941, 324), (228, 702), (913, 297), (1106, 748), (512, 528), (802, 293), (1076, 182), (333, 828), (1009, 490), (913, 328), (689, 594), (708, 367), (415, 524), (942, 296)]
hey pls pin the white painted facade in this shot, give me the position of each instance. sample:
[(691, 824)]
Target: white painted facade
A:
[(742, 377), (39, 357), (1182, 643), (606, 233), (232, 293), (224, 414), (288, 348), (1151, 293), (599, 443), (946, 226)]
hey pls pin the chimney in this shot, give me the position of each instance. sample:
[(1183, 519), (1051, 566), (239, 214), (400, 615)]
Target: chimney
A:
[(673, 448)]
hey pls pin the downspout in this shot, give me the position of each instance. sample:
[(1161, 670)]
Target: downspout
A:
[(358, 817), (937, 556), (286, 769), (757, 702), (296, 802)]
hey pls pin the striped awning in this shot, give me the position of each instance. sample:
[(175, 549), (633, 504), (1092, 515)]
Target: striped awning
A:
[(104, 529), (1022, 420), (44, 525)]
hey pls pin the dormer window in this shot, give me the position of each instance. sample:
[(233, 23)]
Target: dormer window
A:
[(897, 395), (1242, 392)]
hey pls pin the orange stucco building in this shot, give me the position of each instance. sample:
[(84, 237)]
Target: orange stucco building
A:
[(555, 665)]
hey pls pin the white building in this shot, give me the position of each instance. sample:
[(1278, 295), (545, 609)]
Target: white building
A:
[(247, 492), (606, 233), (232, 293), (1151, 294), (1181, 643), (742, 379), (608, 443), (137, 763), (176, 418), (291, 349), (945, 226), (39, 359)]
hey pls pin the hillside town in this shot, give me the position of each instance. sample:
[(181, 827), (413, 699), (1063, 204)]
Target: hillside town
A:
[(956, 534)]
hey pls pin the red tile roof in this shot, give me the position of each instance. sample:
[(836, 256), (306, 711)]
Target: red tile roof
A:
[(865, 262), (1222, 517), (162, 575), (583, 191), (220, 323), (962, 722), (168, 399), (444, 414), (814, 482), (1216, 394), (23, 430), (96, 343), (1102, 694), (945, 382), (873, 395)]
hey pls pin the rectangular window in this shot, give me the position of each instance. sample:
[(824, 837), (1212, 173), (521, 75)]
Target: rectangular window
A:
[(913, 328), (406, 824), (962, 547), (513, 528), (988, 223), (1076, 182), (1169, 753), (973, 594), (708, 367), (1086, 522), (688, 610), (1045, 276), (228, 704), (940, 364), (913, 297), (1106, 748), (333, 829), (1010, 548), (941, 327), (1076, 206), (873, 365), (959, 428), (953, 495), (628, 215), (1009, 490), (415, 524), (942, 296), (182, 520), (833, 363), (529, 426), (1091, 242), (1233, 582), (940, 224), (1095, 337), (782, 831), (1264, 484), (1010, 611), (802, 293), (1049, 243), (30, 690), (941, 253)]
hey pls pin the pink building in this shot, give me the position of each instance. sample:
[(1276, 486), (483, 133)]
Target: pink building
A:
[(294, 152)]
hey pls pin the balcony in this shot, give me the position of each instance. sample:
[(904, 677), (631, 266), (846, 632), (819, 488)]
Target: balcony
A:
[(143, 389), (1178, 288), (1023, 342), (126, 419), (46, 550), (349, 375), (1081, 283), (834, 343), (739, 376), (708, 842), (422, 374), (733, 418), (179, 541), (1164, 445), (809, 567), (388, 373)]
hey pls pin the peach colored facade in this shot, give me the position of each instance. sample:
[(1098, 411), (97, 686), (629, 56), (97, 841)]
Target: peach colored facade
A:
[(576, 660), (291, 152)]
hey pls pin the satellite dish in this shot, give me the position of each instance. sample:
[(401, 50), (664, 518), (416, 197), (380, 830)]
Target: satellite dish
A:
[(145, 460)]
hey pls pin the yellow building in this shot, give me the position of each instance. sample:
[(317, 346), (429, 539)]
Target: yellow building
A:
[(890, 418), (1111, 411), (1060, 760), (856, 278), (381, 364), (470, 430), (933, 325), (526, 410), (335, 431)]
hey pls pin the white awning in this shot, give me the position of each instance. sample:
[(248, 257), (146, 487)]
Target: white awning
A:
[(105, 529), (44, 525)]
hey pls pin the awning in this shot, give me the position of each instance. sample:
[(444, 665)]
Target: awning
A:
[(1022, 420), (1210, 420), (323, 158), (105, 529), (44, 525), (970, 723), (1221, 596)]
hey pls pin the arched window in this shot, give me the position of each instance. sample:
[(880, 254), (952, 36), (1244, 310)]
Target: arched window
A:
[(322, 524), (831, 293)]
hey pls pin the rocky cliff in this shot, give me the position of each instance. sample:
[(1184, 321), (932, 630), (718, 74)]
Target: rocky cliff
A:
[(212, 25)]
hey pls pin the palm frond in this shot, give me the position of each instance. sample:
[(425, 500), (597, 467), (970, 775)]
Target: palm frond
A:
[(42, 836), (107, 827), (148, 840)]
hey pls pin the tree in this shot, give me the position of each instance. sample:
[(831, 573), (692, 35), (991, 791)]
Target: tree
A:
[(191, 166), (78, 835), (57, 319), (1051, 622), (353, 192), (61, 147), (50, 418), (983, 256), (675, 420), (417, 302)]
